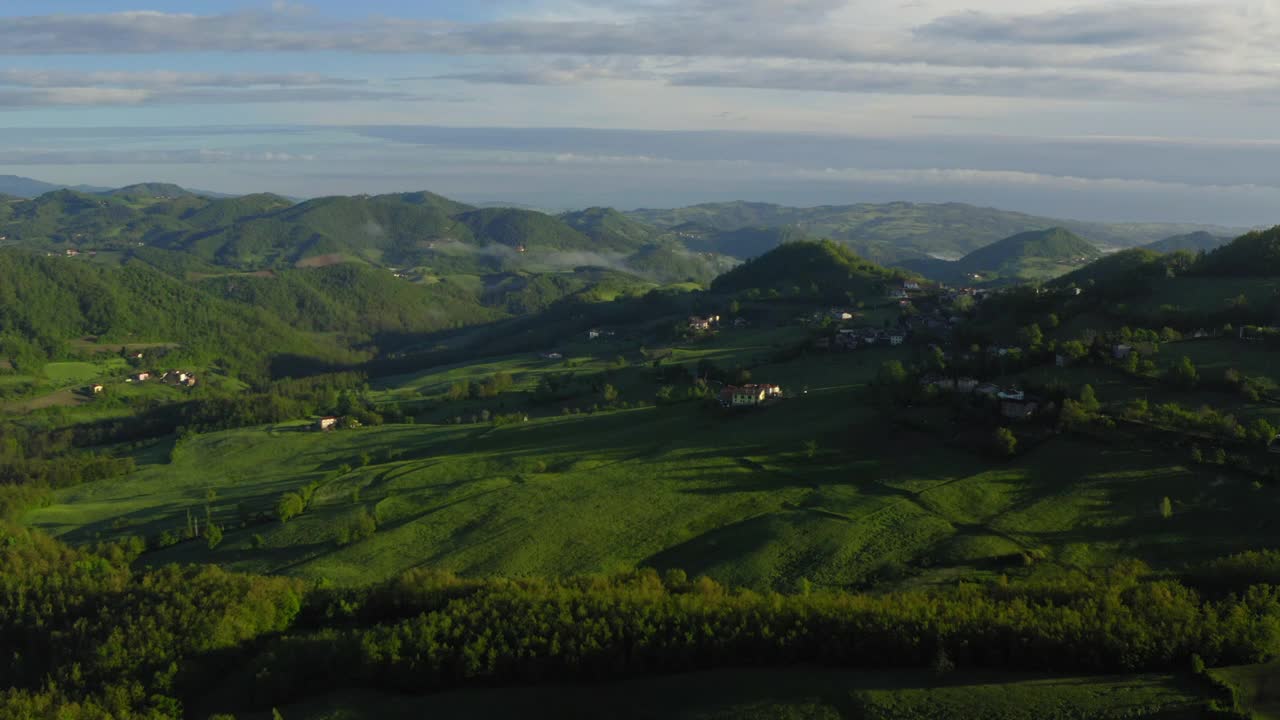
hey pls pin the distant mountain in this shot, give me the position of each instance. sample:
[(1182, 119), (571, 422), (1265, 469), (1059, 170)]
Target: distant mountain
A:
[(898, 231), (1029, 255), (820, 270), (741, 243), (149, 191), (27, 188), (1194, 242)]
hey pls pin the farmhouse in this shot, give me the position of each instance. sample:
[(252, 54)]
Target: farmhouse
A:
[(699, 323), (910, 285), (552, 356), (141, 377), (964, 384), (595, 333), (897, 338), (748, 395), (327, 423), (840, 315), (95, 389), (1121, 352)]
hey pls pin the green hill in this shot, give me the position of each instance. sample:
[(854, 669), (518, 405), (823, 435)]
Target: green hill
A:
[(1036, 254), (46, 302), (384, 228), (1256, 254), (430, 199), (229, 210), (534, 231), (1194, 242), (149, 191), (610, 229), (824, 269), (356, 300)]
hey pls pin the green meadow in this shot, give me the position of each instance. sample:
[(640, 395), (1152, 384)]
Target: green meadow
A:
[(816, 489)]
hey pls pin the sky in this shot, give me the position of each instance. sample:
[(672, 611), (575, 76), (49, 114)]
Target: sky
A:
[(1119, 110)]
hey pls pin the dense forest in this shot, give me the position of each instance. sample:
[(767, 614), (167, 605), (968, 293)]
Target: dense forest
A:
[(94, 638)]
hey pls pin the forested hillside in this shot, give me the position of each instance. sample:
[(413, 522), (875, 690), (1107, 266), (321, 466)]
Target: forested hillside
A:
[(1036, 254), (821, 269), (47, 302)]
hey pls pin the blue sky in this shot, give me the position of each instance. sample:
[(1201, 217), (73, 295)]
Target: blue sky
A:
[(1101, 109)]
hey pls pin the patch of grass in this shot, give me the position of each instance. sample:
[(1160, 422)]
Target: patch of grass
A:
[(71, 372), (1257, 687)]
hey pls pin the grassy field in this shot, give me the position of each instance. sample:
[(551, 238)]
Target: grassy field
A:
[(1258, 687), (786, 694), (735, 496)]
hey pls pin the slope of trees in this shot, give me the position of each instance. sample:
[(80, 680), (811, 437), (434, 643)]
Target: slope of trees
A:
[(45, 302), (820, 270), (86, 636)]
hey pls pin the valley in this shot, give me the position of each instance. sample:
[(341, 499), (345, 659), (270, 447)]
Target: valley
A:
[(367, 440)]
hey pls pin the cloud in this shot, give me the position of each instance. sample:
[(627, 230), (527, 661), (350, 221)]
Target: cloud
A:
[(972, 176), (1223, 49), (165, 79), (45, 156), (988, 82), (22, 88)]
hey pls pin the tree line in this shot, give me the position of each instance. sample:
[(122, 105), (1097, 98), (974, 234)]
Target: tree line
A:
[(86, 635)]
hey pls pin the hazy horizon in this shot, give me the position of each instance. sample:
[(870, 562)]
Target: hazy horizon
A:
[(1135, 111)]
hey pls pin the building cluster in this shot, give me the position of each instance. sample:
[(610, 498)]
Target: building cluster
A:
[(699, 323), (818, 317), (1014, 403), (849, 339), (177, 378), (748, 395)]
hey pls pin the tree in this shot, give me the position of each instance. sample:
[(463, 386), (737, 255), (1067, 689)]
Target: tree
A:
[(1073, 415), (810, 448), (892, 374), (610, 393), (937, 359), (1166, 508), (460, 390), (1089, 400), (1004, 443), (1032, 336), (1261, 432), (1183, 373), (213, 535), (290, 506), (1073, 350)]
